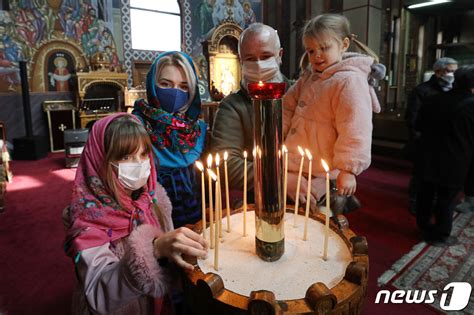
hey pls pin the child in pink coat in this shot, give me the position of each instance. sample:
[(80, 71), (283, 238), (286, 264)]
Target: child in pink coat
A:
[(329, 109)]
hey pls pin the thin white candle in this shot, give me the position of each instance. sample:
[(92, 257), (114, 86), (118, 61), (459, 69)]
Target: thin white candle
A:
[(285, 176), (219, 216), (226, 156), (245, 193), (328, 207), (216, 240), (203, 197), (308, 194), (211, 210), (298, 183)]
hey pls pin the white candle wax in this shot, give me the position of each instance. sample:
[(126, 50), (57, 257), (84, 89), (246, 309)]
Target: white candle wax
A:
[(203, 198), (245, 194), (298, 183), (328, 207), (227, 191), (211, 210), (308, 195)]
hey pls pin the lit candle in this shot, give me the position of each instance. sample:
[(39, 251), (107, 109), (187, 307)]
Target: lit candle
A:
[(245, 193), (328, 207), (285, 176), (219, 216), (216, 240), (226, 156), (266, 90), (211, 210), (218, 225), (308, 194), (203, 198), (298, 183)]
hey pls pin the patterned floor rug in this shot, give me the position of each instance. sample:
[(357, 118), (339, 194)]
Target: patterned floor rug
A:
[(428, 267)]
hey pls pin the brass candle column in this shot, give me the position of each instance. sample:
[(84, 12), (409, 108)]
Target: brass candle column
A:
[(268, 169)]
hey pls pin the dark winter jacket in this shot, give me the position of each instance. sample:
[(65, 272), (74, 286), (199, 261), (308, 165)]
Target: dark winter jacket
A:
[(416, 99), (442, 158)]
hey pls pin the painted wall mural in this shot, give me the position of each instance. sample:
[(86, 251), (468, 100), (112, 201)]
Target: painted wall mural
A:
[(199, 20), (29, 25), (210, 13), (205, 19)]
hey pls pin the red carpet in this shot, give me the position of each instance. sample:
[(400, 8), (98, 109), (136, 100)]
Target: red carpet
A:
[(37, 278), (35, 275)]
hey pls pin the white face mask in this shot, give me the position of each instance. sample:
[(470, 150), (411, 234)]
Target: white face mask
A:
[(448, 77), (261, 70), (133, 175)]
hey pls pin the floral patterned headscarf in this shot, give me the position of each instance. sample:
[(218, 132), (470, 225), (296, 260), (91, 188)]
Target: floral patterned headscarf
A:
[(96, 218), (177, 132)]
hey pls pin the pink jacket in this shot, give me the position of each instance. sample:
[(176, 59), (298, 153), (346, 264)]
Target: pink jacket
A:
[(330, 114), (123, 278)]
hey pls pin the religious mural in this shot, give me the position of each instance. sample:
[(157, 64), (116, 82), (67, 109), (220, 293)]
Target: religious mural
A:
[(205, 19), (31, 24), (60, 65)]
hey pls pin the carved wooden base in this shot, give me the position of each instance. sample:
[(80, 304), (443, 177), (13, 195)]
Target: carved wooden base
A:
[(206, 293)]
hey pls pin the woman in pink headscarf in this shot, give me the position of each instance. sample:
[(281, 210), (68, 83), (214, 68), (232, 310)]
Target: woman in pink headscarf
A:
[(119, 228)]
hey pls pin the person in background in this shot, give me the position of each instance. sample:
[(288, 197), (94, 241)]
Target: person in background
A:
[(329, 109), (463, 129), (171, 117), (445, 156), (119, 231), (441, 81), (260, 58)]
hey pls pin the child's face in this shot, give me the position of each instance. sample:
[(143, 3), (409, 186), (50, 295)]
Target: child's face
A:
[(325, 52), (138, 156)]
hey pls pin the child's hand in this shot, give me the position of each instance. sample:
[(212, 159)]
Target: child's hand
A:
[(346, 183), (291, 190), (177, 242)]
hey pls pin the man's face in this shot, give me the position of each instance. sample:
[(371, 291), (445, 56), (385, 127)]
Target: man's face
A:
[(449, 69), (257, 47)]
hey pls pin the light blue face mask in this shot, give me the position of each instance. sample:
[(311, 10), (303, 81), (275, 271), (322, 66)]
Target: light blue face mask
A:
[(171, 99)]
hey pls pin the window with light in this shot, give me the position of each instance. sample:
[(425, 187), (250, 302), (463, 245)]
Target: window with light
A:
[(156, 25)]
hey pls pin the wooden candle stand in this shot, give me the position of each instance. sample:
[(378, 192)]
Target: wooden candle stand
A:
[(206, 293)]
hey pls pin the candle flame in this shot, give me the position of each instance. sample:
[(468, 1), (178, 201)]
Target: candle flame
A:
[(209, 161), (325, 165), (226, 156), (245, 154), (199, 166), (300, 149), (212, 174), (285, 150), (308, 154), (218, 159)]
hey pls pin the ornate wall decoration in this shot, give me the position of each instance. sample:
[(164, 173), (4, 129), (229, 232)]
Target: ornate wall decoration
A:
[(200, 18), (29, 25), (42, 65)]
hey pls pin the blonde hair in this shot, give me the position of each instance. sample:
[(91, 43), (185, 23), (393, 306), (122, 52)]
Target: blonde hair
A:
[(178, 60), (123, 136), (338, 27)]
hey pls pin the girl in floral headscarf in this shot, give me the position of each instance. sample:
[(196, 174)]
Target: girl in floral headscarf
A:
[(170, 115), (119, 229)]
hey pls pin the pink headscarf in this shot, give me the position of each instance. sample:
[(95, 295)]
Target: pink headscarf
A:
[(95, 216)]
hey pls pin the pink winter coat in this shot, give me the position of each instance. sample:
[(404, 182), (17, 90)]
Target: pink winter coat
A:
[(330, 114), (121, 278)]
